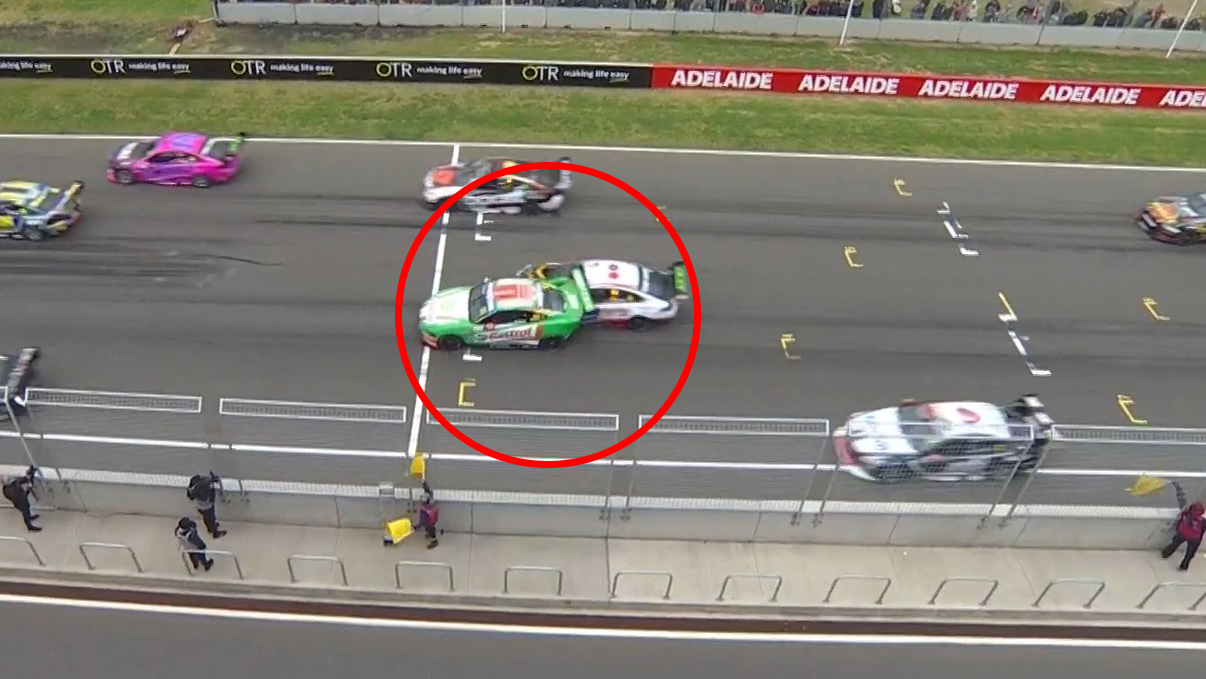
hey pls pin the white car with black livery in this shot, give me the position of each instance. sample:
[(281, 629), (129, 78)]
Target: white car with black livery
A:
[(625, 294), (944, 440), (525, 192)]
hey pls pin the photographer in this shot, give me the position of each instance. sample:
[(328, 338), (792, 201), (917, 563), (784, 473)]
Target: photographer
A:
[(18, 490), (203, 491)]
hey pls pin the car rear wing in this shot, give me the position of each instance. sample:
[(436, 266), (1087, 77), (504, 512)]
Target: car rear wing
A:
[(71, 197), (566, 181), (1034, 412), (589, 311), (682, 282)]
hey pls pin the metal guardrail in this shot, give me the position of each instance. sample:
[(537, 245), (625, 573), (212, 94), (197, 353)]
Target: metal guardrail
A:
[(343, 571), (724, 587), (33, 550), (188, 565), (984, 602), (423, 564), (615, 581), (109, 545), (1072, 581), (1162, 585), (876, 578), (994, 584), (532, 569)]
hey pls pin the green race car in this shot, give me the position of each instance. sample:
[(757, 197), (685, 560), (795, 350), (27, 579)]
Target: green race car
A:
[(507, 313)]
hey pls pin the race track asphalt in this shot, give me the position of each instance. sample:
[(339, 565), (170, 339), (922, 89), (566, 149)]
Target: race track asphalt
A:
[(139, 645), (281, 286)]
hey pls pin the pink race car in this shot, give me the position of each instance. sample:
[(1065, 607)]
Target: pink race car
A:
[(178, 159)]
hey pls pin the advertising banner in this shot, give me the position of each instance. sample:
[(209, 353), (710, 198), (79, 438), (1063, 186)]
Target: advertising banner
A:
[(908, 86), (329, 69)]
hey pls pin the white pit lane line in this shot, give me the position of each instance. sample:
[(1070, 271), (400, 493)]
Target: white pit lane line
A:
[(416, 424)]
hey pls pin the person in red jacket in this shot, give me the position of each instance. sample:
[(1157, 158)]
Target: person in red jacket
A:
[(1191, 526)]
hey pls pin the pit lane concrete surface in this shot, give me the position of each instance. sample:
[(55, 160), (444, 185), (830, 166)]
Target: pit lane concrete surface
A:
[(108, 644), (281, 286)]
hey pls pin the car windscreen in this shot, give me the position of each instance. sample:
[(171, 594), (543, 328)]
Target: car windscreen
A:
[(920, 428), (472, 170), (479, 304), (658, 284), (47, 200), (1198, 203), (554, 300)]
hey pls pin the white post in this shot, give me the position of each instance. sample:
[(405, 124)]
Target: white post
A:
[(504, 15), (846, 23), (1180, 30)]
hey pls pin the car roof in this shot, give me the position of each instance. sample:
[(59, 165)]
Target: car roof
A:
[(602, 273), (22, 193), (187, 142), (510, 294), (970, 419)]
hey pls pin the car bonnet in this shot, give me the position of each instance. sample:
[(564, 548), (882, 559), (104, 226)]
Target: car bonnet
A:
[(447, 307), (878, 432)]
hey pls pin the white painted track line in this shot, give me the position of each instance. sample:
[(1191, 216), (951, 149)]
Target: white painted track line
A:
[(580, 632), (416, 423)]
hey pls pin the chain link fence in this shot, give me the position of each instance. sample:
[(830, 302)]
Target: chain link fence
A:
[(682, 457), (525, 434), (307, 442), (726, 457), (115, 431)]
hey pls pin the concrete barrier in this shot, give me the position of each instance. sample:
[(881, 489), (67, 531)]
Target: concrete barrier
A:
[(490, 16), (546, 515)]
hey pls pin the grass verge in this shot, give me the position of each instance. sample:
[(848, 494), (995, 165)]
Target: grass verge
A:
[(143, 25), (715, 120), (712, 120)]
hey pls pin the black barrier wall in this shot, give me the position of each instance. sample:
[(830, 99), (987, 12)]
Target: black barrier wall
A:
[(329, 69)]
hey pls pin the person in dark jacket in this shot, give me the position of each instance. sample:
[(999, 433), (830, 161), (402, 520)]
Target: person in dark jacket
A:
[(192, 544), (1190, 527), (429, 517), (18, 490), (203, 491)]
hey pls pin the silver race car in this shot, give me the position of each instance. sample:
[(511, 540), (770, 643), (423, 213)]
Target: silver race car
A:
[(626, 294), (944, 440), (527, 192)]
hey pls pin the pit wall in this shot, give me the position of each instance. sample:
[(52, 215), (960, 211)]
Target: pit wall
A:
[(895, 524), (490, 16)]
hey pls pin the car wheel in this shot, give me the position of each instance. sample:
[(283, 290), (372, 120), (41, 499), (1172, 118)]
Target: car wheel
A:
[(639, 323), (1184, 238), (551, 343), (201, 182), (35, 235), (124, 177), (451, 343)]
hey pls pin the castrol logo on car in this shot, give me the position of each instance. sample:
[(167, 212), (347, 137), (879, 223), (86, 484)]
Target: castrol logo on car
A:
[(723, 79)]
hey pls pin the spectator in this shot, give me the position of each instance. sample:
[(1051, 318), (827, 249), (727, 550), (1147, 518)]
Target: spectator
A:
[(429, 517), (18, 490), (203, 491), (1190, 527), (192, 544)]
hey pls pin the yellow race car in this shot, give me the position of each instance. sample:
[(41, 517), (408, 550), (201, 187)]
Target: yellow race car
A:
[(34, 211)]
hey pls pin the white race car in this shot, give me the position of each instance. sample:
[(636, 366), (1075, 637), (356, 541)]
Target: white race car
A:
[(527, 192), (944, 440), (631, 295)]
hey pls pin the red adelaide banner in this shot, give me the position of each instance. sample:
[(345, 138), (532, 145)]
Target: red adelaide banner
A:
[(902, 86)]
